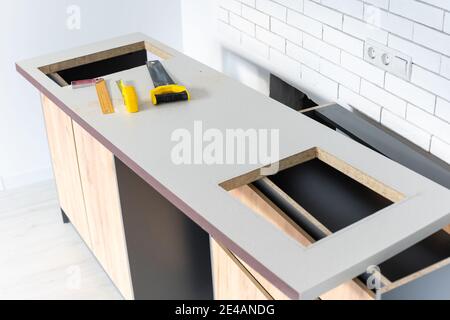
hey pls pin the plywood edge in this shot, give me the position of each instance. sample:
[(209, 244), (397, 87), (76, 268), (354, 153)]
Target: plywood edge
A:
[(360, 176), (254, 175), (157, 51), (94, 57)]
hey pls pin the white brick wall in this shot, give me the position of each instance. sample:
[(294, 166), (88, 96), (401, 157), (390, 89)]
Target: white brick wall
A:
[(320, 43)]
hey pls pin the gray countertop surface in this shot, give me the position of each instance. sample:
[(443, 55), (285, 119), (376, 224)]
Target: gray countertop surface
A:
[(143, 140)]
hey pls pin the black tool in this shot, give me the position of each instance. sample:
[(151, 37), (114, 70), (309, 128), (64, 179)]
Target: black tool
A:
[(166, 90)]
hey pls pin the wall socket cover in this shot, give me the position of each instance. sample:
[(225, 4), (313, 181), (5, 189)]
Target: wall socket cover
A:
[(388, 59)]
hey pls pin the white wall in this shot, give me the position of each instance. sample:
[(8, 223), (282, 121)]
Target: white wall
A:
[(318, 46), (202, 42), (30, 28)]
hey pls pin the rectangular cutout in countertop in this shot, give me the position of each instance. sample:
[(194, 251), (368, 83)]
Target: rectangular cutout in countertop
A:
[(316, 194), (103, 63)]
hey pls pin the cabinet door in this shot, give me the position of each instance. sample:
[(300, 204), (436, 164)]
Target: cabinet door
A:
[(65, 166), (231, 279), (101, 196)]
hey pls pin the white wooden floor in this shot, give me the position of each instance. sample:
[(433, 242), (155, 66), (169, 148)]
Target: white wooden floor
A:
[(42, 258)]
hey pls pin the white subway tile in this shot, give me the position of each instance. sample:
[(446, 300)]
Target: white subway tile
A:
[(379, 3), (250, 3), (229, 33), (350, 7), (343, 41), (445, 67), (383, 98), (304, 23), (431, 82), (292, 4), (440, 149), (406, 129), (420, 56), (231, 5), (319, 83), (302, 55), (362, 104), (223, 15), (432, 39), (443, 109), (256, 16), (255, 46), (289, 67), (340, 75), (439, 3), (364, 30), (271, 39), (242, 24), (290, 33), (272, 8), (362, 68), (388, 21), (417, 11), (447, 22), (429, 122), (324, 14), (321, 48), (411, 93)]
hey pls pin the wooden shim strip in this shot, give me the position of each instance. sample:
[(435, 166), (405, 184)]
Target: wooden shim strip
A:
[(317, 107), (324, 230), (58, 79), (259, 203)]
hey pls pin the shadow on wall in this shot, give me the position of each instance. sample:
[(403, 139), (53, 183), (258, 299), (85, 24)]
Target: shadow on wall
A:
[(245, 71)]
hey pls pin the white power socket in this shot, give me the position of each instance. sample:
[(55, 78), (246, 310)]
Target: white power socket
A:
[(388, 59)]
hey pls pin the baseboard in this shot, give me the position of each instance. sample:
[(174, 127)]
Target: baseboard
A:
[(25, 179)]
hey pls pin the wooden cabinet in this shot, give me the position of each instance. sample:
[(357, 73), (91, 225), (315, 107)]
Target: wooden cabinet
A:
[(88, 193), (232, 281), (104, 214), (65, 166)]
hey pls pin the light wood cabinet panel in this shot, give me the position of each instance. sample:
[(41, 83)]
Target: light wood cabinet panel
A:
[(231, 280), (101, 195), (65, 166)]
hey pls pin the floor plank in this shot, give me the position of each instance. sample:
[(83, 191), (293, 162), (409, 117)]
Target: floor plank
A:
[(42, 258)]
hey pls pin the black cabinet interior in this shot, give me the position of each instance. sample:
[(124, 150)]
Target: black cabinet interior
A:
[(104, 67)]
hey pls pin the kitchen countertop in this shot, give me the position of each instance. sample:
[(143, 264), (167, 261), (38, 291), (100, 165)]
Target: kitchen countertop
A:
[(143, 142)]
